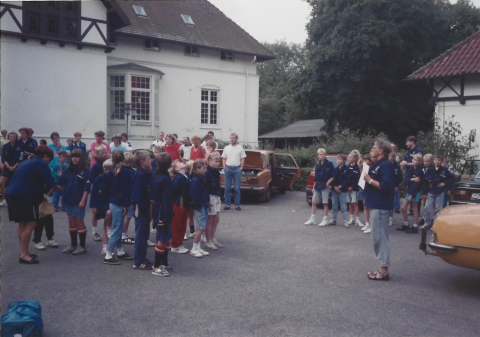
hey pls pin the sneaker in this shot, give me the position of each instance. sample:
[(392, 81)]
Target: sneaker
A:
[(127, 239), (204, 239), (368, 230), (351, 221), (96, 237), (216, 243), (402, 228), (109, 232), (345, 223), (52, 244), (186, 237), (195, 253), (143, 266), (204, 253), (3, 203), (124, 257), (39, 246), (364, 228), (331, 223), (324, 222), (160, 271), (412, 230), (310, 221), (179, 250), (69, 250), (153, 231), (390, 222), (211, 245), (192, 235), (169, 268), (104, 251), (359, 223), (111, 261), (79, 250), (150, 243)]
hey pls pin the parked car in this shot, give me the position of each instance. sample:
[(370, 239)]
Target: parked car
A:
[(264, 171), (467, 189), (456, 236)]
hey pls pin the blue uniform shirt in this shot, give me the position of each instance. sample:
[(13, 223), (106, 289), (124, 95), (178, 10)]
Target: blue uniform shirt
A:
[(10, 153), (434, 176), (409, 156), (341, 177), (212, 180), (199, 192), (323, 173), (398, 174), (28, 180), (413, 187), (119, 187), (74, 184), (353, 176), (382, 172), (28, 146), (96, 170), (99, 194), (161, 188), (141, 191), (80, 146), (181, 188)]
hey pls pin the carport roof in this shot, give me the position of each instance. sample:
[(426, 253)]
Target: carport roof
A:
[(301, 129)]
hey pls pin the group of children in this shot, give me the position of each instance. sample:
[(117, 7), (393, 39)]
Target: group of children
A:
[(432, 185)]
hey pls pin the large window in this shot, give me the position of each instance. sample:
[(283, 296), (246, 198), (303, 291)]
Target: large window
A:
[(209, 109), (135, 89), (57, 19)]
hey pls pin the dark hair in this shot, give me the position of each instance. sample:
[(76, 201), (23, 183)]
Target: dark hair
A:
[(24, 129), (117, 137), (100, 134), (342, 156), (43, 142), (164, 161), (200, 162), (54, 134), (211, 132), (438, 155), (63, 153), (124, 135), (30, 131), (42, 151), (82, 164), (367, 157), (412, 139), (117, 158)]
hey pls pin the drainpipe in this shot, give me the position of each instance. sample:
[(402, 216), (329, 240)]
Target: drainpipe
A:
[(245, 128)]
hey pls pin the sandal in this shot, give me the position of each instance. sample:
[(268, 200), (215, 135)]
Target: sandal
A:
[(375, 276), (128, 240)]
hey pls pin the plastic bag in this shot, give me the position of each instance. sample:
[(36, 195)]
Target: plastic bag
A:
[(23, 318)]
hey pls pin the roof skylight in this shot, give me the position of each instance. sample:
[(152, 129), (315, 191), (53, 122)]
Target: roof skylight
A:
[(187, 20), (139, 10)]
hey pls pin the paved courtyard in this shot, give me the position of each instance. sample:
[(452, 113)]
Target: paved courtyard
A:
[(275, 277)]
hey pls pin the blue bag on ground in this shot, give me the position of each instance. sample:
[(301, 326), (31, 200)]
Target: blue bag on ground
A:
[(23, 318)]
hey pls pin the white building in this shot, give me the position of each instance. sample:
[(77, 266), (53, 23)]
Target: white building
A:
[(72, 65), (454, 78)]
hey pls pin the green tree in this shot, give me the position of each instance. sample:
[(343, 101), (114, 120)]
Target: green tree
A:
[(464, 20), (277, 105), (360, 52)]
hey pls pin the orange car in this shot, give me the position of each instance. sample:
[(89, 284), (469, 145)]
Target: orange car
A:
[(264, 171), (456, 236)]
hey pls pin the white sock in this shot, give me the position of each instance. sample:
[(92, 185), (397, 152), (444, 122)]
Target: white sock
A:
[(357, 218), (124, 235), (196, 246), (415, 225), (108, 256), (94, 229), (120, 251), (390, 219), (406, 223), (367, 223)]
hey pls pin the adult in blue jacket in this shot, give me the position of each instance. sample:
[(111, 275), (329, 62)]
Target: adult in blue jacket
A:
[(10, 157), (25, 193), (380, 190)]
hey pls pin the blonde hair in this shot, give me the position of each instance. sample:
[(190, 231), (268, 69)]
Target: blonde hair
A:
[(100, 147), (77, 134), (199, 163), (417, 155), (321, 150), (213, 155), (139, 156), (117, 158), (195, 137), (107, 164), (128, 162), (212, 144), (189, 167), (159, 148), (173, 170), (428, 157)]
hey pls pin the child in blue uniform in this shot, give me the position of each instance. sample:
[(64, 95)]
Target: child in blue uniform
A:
[(414, 179), (76, 184), (212, 179), (96, 170), (321, 187), (397, 171), (181, 195), (127, 239), (162, 213), (339, 190), (99, 202), (119, 185), (353, 188), (10, 160), (141, 204), (201, 205)]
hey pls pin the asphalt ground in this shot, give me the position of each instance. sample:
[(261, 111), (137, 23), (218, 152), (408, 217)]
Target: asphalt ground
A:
[(274, 277)]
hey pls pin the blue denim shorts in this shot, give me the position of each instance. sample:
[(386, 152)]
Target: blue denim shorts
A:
[(361, 194), (130, 212), (352, 196), (321, 196), (75, 211), (415, 198), (200, 218)]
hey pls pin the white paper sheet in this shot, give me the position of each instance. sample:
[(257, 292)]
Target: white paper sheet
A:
[(361, 181)]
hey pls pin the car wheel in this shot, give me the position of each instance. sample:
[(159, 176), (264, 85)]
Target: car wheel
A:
[(282, 190), (265, 197)]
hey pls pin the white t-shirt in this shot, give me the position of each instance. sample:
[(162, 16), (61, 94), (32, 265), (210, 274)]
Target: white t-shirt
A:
[(204, 144), (186, 151), (157, 142), (233, 154)]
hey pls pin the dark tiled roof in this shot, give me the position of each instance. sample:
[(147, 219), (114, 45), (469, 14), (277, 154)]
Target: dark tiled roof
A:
[(212, 28), (300, 129), (135, 66), (461, 59)]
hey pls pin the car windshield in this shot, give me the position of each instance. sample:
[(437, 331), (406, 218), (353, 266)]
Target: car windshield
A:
[(471, 169), (333, 160)]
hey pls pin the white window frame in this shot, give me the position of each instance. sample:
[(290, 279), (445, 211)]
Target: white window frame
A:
[(212, 106), (153, 96)]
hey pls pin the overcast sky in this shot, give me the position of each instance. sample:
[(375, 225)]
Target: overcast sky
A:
[(272, 20)]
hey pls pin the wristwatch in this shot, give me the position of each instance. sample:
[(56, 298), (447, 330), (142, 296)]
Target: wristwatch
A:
[(370, 182)]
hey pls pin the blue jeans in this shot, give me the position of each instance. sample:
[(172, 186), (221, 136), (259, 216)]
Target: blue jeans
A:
[(379, 223), (142, 233), (234, 173), (445, 200), (396, 201), (115, 240), (433, 199), (56, 198), (339, 198)]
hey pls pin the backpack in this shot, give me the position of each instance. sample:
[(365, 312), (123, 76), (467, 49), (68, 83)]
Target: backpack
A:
[(22, 319)]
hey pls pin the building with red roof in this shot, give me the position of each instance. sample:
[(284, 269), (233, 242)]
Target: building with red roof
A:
[(454, 78)]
